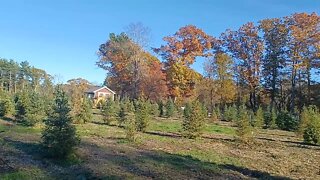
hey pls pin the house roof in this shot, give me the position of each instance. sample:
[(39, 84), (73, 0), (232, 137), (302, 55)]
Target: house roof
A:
[(94, 89)]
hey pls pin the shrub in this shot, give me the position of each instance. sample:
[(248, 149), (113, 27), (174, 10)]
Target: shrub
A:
[(142, 116), (194, 122), (59, 136), (170, 108), (286, 121)]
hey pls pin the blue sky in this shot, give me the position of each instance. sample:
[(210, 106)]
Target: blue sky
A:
[(62, 36)]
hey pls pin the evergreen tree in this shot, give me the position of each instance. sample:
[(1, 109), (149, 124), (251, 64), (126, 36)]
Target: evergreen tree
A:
[(226, 113), (218, 113), (194, 122), (23, 102), (36, 111), (31, 108), (59, 136), (244, 129), (230, 113), (85, 115), (129, 105), (161, 109), (233, 112), (310, 125), (142, 116), (287, 121), (109, 111), (259, 119), (122, 114), (131, 131), (204, 110), (270, 117), (7, 105), (214, 115), (170, 108), (273, 119), (154, 109), (187, 110)]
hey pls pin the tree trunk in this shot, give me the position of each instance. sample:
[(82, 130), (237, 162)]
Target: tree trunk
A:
[(309, 86), (293, 89)]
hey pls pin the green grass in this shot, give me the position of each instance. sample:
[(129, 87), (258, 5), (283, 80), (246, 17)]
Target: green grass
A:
[(26, 174), (209, 156), (175, 126), (164, 125), (217, 129), (20, 129)]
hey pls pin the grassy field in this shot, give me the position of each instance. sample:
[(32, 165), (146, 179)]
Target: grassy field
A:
[(160, 153)]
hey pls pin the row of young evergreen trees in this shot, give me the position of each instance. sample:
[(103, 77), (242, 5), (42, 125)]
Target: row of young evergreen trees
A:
[(59, 135), (29, 107), (135, 116)]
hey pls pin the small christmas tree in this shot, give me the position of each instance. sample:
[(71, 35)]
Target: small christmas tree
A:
[(108, 111), (258, 118), (244, 129), (169, 108), (59, 136), (7, 105), (161, 109), (85, 114), (194, 122), (142, 116)]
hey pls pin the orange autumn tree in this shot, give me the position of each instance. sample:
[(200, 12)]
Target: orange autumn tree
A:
[(116, 57), (303, 45), (131, 71), (179, 53), (219, 69), (153, 82), (247, 47)]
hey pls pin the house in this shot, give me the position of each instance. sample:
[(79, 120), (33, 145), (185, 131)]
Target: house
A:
[(98, 93)]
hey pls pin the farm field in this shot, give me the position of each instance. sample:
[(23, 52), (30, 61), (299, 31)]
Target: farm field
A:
[(160, 153), (99, 90)]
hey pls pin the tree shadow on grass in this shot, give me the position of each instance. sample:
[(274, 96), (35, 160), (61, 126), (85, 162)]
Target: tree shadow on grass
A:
[(164, 134), (175, 135), (293, 143), (154, 164), (207, 170), (33, 155), (128, 162), (105, 124)]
